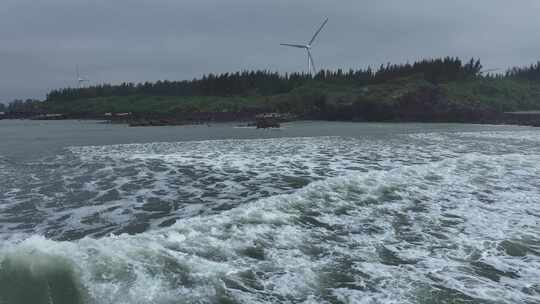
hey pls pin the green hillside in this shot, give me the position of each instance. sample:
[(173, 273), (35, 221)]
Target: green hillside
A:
[(443, 89), (320, 99)]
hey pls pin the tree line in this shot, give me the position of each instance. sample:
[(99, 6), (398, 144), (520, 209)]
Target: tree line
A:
[(22, 106), (271, 83), (531, 72), (267, 83)]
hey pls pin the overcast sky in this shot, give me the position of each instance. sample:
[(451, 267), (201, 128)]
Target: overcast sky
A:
[(113, 41)]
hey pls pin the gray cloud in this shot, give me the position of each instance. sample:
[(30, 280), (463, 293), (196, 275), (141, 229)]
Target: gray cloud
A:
[(139, 40)]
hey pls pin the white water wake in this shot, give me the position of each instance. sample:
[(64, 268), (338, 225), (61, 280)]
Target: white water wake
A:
[(462, 229)]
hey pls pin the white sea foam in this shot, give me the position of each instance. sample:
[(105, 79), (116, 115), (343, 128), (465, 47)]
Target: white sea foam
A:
[(423, 218), (430, 232), (524, 135), (137, 180)]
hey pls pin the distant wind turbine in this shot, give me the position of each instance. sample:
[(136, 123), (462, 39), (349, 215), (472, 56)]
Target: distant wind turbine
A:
[(489, 71), (80, 80), (307, 47)]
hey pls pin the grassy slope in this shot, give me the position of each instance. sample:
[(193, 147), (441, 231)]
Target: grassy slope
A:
[(155, 104), (496, 94), (349, 93)]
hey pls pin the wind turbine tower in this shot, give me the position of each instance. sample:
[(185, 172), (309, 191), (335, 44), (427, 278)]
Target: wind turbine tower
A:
[(80, 80), (307, 47)]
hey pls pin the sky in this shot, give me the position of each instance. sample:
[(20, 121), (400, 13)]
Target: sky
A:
[(115, 41)]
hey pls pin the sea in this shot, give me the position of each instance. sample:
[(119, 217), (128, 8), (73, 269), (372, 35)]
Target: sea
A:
[(313, 212)]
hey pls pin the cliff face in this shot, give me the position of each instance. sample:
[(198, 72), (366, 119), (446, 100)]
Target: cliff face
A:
[(432, 105), (422, 104)]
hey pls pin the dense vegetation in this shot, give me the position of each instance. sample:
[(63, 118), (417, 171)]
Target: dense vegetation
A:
[(22, 106), (270, 83), (531, 72), (444, 89)]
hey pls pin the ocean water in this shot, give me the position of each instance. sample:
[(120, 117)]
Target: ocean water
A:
[(313, 213)]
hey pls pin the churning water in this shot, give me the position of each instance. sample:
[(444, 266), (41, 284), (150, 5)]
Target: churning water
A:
[(431, 215)]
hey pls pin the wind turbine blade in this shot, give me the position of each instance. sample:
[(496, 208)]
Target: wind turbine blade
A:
[(314, 71), (300, 46), (318, 31)]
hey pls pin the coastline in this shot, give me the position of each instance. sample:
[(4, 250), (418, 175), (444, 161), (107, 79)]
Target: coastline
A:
[(524, 118)]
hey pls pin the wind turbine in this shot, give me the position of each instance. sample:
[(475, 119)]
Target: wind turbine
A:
[(488, 71), (80, 79), (307, 47)]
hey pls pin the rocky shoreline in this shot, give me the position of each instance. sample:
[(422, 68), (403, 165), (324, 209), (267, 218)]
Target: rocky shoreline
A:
[(268, 120)]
